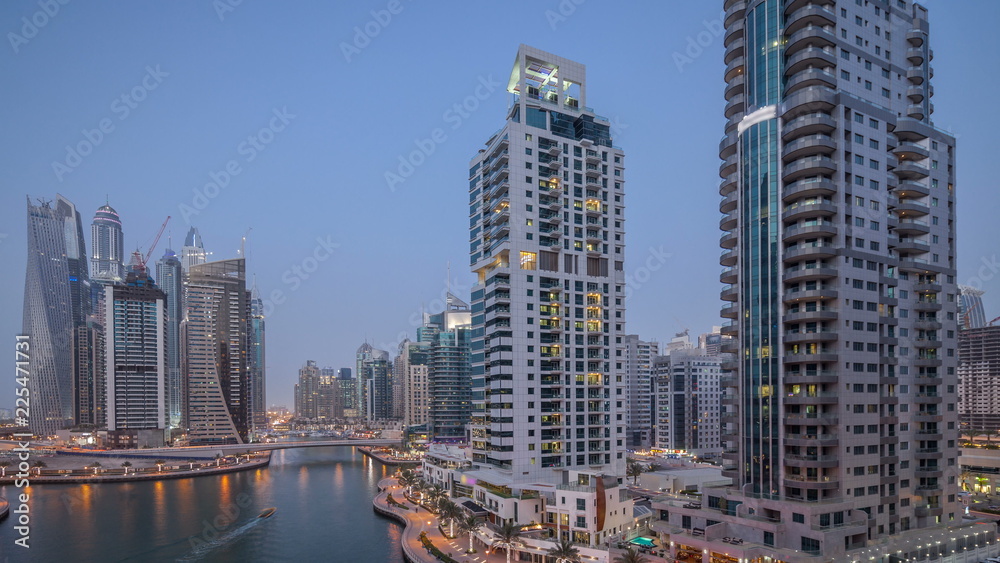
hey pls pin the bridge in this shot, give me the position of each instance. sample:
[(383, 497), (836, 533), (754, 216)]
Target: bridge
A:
[(210, 452)]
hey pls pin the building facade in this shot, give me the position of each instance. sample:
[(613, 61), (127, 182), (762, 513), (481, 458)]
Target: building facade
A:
[(687, 397), (216, 348), (193, 251), (639, 355), (56, 303), (979, 379), (449, 384), (256, 363), (839, 259), (170, 279), (107, 258), (547, 247), (136, 356), (971, 313), (307, 391)]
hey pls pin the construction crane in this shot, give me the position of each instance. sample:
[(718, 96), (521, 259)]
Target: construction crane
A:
[(138, 260), (993, 321)]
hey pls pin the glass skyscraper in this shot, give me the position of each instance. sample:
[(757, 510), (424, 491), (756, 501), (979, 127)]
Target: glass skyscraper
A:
[(107, 260), (170, 279)]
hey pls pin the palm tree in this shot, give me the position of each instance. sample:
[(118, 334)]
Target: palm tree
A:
[(434, 494), (3, 468), (190, 464), (126, 465), (964, 479), (450, 512), (470, 525), (564, 552), (633, 470), (95, 465), (159, 464), (39, 465), (631, 556), (506, 538), (407, 478)]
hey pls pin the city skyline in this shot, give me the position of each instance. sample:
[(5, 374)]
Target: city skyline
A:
[(313, 223)]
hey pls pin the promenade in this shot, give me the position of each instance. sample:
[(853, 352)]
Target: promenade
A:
[(117, 475)]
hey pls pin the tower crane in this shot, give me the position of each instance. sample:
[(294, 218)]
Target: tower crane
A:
[(138, 260)]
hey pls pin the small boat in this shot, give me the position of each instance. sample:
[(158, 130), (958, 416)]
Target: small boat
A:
[(267, 512)]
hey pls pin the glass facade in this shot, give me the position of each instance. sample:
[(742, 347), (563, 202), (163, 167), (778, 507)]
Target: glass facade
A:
[(760, 268)]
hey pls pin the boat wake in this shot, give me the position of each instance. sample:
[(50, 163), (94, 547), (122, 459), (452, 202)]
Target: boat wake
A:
[(203, 549)]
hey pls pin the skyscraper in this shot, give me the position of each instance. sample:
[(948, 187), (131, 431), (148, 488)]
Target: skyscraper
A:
[(686, 399), (410, 367), (307, 391), (56, 302), (136, 361), (374, 385), (839, 255), (547, 242), (449, 384), (193, 251), (170, 279), (979, 378), (970, 308), (256, 363), (107, 258), (215, 344)]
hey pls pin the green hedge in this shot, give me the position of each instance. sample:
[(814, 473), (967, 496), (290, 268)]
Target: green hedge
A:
[(429, 546)]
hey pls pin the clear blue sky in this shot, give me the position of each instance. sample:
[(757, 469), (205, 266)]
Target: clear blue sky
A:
[(322, 175)]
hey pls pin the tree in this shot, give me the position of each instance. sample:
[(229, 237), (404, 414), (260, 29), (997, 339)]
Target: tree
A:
[(470, 525), (190, 464), (39, 465), (3, 468), (964, 479), (159, 464), (450, 512), (408, 478), (506, 538), (634, 470), (96, 465), (434, 494), (631, 556), (564, 552)]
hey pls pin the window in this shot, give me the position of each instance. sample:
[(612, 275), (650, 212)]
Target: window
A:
[(529, 260)]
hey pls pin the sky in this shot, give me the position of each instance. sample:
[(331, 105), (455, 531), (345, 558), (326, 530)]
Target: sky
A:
[(290, 123)]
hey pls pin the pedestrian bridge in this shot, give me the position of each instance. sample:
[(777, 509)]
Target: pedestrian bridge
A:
[(210, 452)]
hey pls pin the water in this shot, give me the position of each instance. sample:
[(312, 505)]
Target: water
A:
[(323, 497)]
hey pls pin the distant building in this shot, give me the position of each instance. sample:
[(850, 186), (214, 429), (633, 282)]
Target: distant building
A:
[(307, 391), (135, 357), (410, 367), (256, 363), (979, 378), (170, 279), (687, 398), (639, 355), (970, 308), (216, 345), (107, 258), (193, 251), (449, 385), (374, 386)]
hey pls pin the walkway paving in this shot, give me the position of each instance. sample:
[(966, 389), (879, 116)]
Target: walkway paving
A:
[(418, 520)]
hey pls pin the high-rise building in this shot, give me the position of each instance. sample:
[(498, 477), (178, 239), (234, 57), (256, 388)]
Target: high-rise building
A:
[(410, 367), (347, 387), (547, 240), (56, 303), (374, 383), (449, 384), (136, 357), (686, 398), (216, 347), (307, 391), (89, 396), (193, 251), (839, 219), (170, 279), (107, 253), (979, 379), (639, 356), (970, 308), (256, 363)]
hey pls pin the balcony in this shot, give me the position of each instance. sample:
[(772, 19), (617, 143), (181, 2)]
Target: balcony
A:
[(729, 293), (808, 187), (733, 32), (728, 184), (915, 37), (808, 272), (735, 105), (810, 251), (912, 227), (810, 337), (736, 85), (810, 461), (728, 166), (810, 145), (728, 258), (910, 189), (814, 57), (735, 11), (822, 440), (915, 94), (733, 50), (821, 357), (808, 482), (728, 275), (809, 15), (911, 245), (809, 166), (818, 314), (809, 229), (729, 239), (915, 75), (728, 222), (915, 55), (916, 111), (729, 311), (727, 147), (816, 36), (808, 208), (809, 100), (734, 68), (809, 124), (811, 376), (911, 151)]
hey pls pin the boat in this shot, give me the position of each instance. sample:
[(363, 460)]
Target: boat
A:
[(267, 512)]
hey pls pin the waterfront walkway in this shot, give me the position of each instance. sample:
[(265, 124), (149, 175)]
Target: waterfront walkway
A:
[(103, 475), (419, 519)]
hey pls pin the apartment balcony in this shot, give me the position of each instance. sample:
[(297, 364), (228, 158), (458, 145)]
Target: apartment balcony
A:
[(915, 37), (915, 75), (728, 257), (809, 100), (729, 311), (728, 239), (809, 187), (727, 147), (728, 275), (729, 202), (810, 337), (910, 245), (729, 293), (797, 253), (794, 295), (811, 359), (926, 306), (734, 11), (737, 83), (734, 32), (809, 230), (809, 272), (810, 145), (809, 124), (809, 166), (735, 105), (729, 329), (809, 15), (915, 55), (927, 287), (728, 222), (916, 111), (810, 57), (734, 68), (928, 324), (915, 94), (810, 461), (927, 363), (925, 416), (912, 227), (733, 50), (807, 482), (728, 184), (819, 440), (811, 376), (808, 208), (911, 151), (729, 166), (809, 36), (911, 189), (812, 419)]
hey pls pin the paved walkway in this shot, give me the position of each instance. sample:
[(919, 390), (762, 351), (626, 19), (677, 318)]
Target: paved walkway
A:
[(418, 520)]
